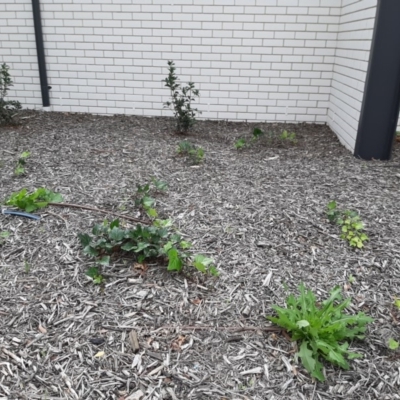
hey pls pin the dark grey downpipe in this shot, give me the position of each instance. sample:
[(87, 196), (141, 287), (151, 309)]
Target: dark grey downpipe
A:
[(37, 19), (380, 109)]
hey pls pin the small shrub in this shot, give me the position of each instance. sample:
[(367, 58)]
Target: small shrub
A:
[(351, 225), (181, 100), (29, 202), (159, 240), (322, 330), (195, 154), (20, 168), (8, 109)]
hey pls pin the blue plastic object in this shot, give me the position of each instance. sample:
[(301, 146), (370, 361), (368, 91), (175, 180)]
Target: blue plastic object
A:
[(21, 214)]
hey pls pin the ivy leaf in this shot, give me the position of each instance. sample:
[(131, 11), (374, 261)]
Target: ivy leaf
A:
[(174, 261), (105, 260), (85, 239), (90, 251)]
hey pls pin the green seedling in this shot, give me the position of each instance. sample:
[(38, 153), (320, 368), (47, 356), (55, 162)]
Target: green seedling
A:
[(257, 133), (393, 344), (181, 100), (323, 330), (240, 143), (397, 303), (352, 227), (29, 202), (288, 136), (196, 154), (27, 267), (3, 236), (96, 276), (20, 168)]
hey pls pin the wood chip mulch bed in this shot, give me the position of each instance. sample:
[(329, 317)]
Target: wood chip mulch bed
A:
[(149, 334)]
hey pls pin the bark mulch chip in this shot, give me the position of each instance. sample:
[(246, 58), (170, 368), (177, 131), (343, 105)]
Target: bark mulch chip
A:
[(148, 334)]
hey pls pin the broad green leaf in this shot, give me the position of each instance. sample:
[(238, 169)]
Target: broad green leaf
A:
[(128, 246), (152, 212), (303, 323), (117, 234), (90, 251), (174, 261), (393, 344), (307, 357), (114, 224), (92, 272), (185, 245), (257, 132), (105, 260), (85, 239)]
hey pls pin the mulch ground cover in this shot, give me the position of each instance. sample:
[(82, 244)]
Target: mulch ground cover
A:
[(258, 212)]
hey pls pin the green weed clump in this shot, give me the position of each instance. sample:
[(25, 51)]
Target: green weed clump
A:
[(351, 225), (20, 168), (323, 330), (194, 153), (284, 137)]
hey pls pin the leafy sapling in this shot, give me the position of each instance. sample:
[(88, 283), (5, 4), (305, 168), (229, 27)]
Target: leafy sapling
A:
[(8, 108), (181, 100), (323, 330)]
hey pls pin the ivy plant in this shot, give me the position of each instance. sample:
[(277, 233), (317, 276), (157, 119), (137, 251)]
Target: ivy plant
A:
[(158, 241), (188, 149), (38, 199), (20, 168)]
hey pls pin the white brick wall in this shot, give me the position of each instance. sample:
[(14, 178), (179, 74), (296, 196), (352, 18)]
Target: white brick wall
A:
[(350, 69), (259, 60), (251, 59)]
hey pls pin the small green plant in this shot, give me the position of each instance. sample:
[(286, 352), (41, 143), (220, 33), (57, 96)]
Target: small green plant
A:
[(393, 344), (20, 168), (352, 279), (29, 202), (351, 225), (288, 136), (397, 303), (3, 236), (143, 198), (96, 276), (158, 241), (27, 267), (181, 100), (8, 109), (257, 133), (240, 143), (196, 154), (322, 330)]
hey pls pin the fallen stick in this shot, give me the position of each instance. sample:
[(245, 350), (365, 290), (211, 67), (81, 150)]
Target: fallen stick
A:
[(69, 205)]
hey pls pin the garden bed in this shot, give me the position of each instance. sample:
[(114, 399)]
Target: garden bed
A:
[(258, 212)]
